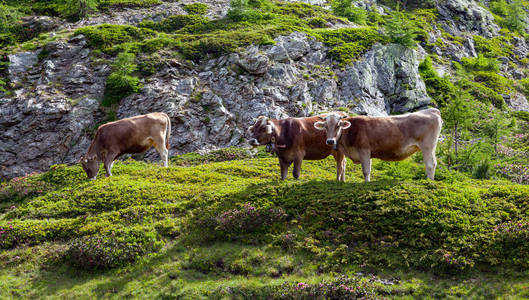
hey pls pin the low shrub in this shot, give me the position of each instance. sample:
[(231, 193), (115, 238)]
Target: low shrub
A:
[(341, 287), (113, 248), (106, 4), (493, 47), (241, 10), (349, 43), (511, 242), (346, 9), (118, 87), (120, 83), (174, 23), (22, 187), (105, 36), (483, 93), (224, 154), (32, 232), (441, 89), (494, 81), (196, 8), (480, 63), (248, 219), (524, 88)]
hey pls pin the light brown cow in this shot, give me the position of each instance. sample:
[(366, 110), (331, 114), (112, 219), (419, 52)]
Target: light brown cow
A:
[(131, 135), (293, 140), (391, 138)]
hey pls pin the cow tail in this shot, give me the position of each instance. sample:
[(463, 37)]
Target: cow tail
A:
[(167, 132)]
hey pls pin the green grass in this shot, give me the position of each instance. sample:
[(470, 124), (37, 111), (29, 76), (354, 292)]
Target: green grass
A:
[(211, 226)]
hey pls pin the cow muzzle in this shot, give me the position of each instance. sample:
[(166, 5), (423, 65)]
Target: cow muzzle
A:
[(331, 141), (253, 142)]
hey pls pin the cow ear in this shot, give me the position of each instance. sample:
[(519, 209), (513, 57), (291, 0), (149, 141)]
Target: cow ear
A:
[(319, 125), (345, 124), (263, 119), (269, 129)]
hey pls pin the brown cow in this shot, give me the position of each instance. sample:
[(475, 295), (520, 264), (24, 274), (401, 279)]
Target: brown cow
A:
[(293, 140), (131, 135), (391, 138)]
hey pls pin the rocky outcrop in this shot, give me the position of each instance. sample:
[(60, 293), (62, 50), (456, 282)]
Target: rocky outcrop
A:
[(466, 17), (386, 80), (53, 106)]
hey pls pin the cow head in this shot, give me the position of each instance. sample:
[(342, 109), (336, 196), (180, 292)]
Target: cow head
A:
[(90, 165), (334, 124), (261, 132)]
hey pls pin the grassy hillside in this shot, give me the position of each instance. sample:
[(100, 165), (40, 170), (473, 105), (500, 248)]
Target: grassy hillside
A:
[(208, 229)]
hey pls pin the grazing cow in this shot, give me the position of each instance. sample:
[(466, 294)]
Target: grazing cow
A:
[(293, 140), (131, 135), (391, 138)]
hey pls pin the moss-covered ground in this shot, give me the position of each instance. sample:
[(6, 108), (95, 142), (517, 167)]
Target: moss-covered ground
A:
[(224, 226)]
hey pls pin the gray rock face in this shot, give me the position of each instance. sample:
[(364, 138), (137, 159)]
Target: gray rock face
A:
[(19, 63), (387, 80), (51, 111), (462, 16), (37, 24), (210, 105)]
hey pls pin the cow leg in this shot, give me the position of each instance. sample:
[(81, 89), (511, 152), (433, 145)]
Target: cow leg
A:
[(365, 160), (340, 166), (108, 163), (284, 168), (430, 162), (164, 153), (297, 167)]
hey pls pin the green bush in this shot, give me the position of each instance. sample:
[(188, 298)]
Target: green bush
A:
[(499, 7), (240, 10), (522, 115), (224, 154), (524, 86), (346, 9), (106, 36), (31, 232), (439, 88), (317, 22), (349, 43), (174, 23), (480, 63), (11, 30), (400, 30), (22, 187), (196, 8), (482, 170), (494, 81), (510, 243), (483, 93), (106, 4), (493, 47), (119, 83), (79, 9), (113, 248)]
